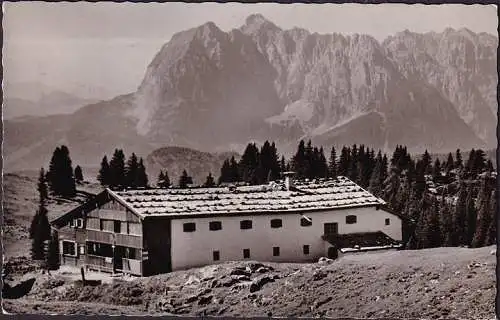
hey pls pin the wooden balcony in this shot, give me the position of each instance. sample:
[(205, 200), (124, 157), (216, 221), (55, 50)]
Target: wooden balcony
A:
[(118, 239), (99, 262)]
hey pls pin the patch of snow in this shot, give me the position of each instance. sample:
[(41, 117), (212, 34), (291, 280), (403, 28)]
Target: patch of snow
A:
[(300, 110)]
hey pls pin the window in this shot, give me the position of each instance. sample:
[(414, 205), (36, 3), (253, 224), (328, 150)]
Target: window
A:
[(69, 248), (99, 249), (305, 249), (246, 224), (305, 222), (130, 253), (215, 225), (189, 227), (82, 249), (117, 226), (276, 223), (101, 224), (276, 251), (216, 255), (387, 221), (79, 223), (351, 219), (246, 253), (72, 223)]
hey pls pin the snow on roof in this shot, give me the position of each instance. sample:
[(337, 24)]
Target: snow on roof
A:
[(307, 196)]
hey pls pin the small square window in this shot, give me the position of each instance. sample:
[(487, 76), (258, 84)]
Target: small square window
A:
[(216, 255), (304, 222), (82, 249), (305, 249), (246, 253), (72, 223), (276, 251), (387, 221), (215, 225), (351, 219), (189, 227), (276, 223), (246, 224)]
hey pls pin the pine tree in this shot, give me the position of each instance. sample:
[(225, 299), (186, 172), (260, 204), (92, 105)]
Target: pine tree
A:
[(117, 170), (42, 186), (52, 258), (78, 175), (104, 173), (332, 165), (185, 180), (209, 183)]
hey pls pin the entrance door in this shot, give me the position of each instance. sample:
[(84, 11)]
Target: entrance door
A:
[(332, 253), (118, 258), (331, 228)]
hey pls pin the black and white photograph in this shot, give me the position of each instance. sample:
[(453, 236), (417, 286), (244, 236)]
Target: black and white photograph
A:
[(250, 159)]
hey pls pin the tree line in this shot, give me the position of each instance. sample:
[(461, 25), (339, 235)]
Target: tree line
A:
[(120, 175)]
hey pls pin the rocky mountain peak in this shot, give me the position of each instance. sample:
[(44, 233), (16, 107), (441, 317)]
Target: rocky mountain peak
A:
[(256, 23)]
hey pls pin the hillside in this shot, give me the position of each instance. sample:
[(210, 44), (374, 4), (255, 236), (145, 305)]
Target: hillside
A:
[(210, 90), (432, 283)]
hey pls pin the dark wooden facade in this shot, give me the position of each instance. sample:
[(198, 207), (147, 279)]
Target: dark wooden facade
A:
[(105, 235)]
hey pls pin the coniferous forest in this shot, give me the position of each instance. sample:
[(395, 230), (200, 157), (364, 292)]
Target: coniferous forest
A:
[(445, 201)]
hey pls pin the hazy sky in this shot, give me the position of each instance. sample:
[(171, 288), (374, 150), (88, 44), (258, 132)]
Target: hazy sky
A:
[(103, 49)]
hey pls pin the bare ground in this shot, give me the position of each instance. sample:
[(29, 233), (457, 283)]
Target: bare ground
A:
[(433, 283)]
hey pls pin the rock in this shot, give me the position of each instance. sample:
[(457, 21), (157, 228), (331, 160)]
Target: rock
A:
[(239, 272), (325, 260), (262, 270), (318, 275), (321, 302), (493, 252), (205, 300), (215, 284), (192, 298), (258, 283)]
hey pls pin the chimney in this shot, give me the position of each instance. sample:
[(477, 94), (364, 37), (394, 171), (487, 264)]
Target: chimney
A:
[(288, 180)]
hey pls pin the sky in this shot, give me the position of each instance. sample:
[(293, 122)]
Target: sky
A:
[(100, 50)]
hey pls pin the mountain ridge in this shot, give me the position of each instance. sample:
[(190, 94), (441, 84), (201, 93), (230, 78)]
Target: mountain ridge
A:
[(208, 89)]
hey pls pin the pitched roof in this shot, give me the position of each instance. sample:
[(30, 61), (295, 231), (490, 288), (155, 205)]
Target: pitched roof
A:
[(305, 196)]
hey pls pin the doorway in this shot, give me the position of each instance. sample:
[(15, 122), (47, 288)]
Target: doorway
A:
[(118, 258), (332, 253)]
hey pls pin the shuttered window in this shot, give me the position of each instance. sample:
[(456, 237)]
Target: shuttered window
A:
[(215, 225), (246, 224), (351, 219), (189, 227), (305, 222)]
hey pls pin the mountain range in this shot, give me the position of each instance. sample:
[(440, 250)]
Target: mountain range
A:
[(215, 91)]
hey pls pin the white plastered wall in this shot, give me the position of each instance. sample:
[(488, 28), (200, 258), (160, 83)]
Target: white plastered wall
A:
[(191, 249)]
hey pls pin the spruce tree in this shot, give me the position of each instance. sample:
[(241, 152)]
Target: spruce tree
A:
[(332, 165), (249, 164), (375, 186), (471, 216), (436, 170), (117, 170), (209, 182), (132, 172), (427, 163), (185, 180), (344, 161), (458, 159), (299, 160), (225, 172), (460, 219), (491, 234), (450, 164), (78, 175), (52, 258), (483, 214), (39, 233), (104, 173), (42, 186), (142, 177), (163, 180), (60, 176), (446, 222), (234, 172)]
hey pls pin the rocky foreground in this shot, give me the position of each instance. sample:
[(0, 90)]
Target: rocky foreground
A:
[(433, 283)]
